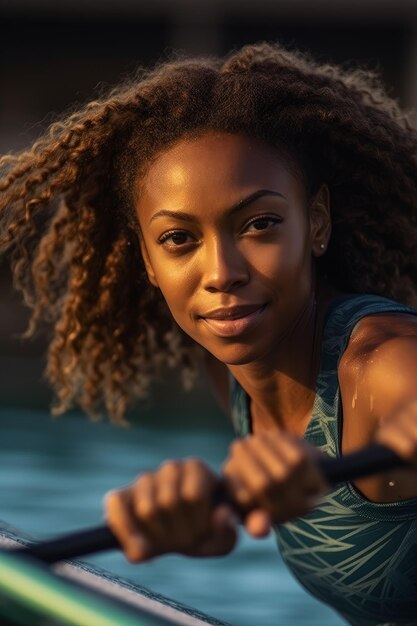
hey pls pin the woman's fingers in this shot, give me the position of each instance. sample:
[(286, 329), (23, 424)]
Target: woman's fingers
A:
[(274, 472), (272, 476), (120, 518), (170, 510), (171, 516), (197, 480), (287, 457)]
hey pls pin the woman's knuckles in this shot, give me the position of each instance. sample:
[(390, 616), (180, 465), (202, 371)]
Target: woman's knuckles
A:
[(116, 504), (194, 498), (168, 471), (168, 501), (244, 450), (296, 458), (262, 486), (145, 509), (111, 501)]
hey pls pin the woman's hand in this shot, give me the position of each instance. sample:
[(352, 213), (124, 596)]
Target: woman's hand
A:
[(274, 476), (171, 510)]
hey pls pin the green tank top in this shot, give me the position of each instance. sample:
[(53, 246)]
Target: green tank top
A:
[(357, 556)]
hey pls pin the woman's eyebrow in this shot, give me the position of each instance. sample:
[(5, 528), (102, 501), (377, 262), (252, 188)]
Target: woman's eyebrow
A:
[(188, 217)]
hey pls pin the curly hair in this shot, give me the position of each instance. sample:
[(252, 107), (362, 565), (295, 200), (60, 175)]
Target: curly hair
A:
[(68, 220)]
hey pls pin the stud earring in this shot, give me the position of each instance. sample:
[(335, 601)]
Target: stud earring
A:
[(322, 246)]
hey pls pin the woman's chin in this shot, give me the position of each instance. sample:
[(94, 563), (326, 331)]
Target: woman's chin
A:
[(238, 355)]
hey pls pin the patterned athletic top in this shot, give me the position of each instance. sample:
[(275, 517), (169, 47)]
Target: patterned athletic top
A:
[(355, 555)]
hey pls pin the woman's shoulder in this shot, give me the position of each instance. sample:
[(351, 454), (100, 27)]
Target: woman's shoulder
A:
[(360, 323), (385, 330), (379, 365)]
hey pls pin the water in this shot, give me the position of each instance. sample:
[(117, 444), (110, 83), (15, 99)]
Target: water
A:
[(55, 473)]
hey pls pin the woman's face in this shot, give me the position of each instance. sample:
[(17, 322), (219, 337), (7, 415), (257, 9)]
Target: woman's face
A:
[(228, 237)]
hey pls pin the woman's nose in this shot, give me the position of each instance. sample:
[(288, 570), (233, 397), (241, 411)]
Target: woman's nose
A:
[(224, 266)]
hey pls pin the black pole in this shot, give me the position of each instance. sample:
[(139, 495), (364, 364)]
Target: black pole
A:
[(370, 460), (72, 545)]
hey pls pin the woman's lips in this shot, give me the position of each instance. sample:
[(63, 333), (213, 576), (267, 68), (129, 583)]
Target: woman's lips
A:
[(234, 322)]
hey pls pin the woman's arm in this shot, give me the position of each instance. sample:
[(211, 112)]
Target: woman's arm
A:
[(171, 509), (378, 381)]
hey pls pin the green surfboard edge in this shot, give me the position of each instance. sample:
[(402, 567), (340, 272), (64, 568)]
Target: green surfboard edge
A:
[(28, 587), (138, 603)]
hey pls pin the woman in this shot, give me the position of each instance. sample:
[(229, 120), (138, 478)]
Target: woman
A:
[(257, 211)]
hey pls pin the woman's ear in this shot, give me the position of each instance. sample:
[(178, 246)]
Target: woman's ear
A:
[(320, 221), (147, 262)]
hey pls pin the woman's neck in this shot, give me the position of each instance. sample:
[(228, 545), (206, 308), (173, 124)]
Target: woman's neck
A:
[(282, 388)]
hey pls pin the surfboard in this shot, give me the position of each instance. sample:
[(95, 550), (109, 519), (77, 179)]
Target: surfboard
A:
[(79, 594)]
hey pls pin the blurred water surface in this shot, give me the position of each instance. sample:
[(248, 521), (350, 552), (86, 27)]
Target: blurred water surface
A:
[(55, 473)]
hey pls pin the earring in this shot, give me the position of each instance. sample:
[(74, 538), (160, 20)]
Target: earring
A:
[(322, 246)]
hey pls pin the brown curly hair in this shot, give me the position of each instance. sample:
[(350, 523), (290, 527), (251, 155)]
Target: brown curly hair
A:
[(67, 203)]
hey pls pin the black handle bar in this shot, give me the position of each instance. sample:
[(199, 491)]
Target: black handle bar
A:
[(370, 460)]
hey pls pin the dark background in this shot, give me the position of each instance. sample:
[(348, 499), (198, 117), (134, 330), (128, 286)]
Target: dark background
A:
[(53, 55)]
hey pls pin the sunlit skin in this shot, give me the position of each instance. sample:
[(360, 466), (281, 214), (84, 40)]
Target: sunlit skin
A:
[(230, 238), (206, 246)]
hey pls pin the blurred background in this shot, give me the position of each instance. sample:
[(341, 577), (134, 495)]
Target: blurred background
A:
[(54, 54)]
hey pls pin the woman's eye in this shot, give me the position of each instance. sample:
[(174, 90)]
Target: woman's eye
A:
[(175, 238), (262, 223)]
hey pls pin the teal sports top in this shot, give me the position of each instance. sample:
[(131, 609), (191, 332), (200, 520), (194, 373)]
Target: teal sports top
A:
[(358, 556)]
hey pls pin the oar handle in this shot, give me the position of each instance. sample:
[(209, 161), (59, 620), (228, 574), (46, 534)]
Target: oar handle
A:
[(72, 545), (375, 458), (370, 460)]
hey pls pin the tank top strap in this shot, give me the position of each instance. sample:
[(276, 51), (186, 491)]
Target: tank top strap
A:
[(343, 315)]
